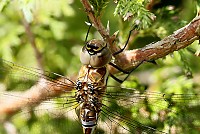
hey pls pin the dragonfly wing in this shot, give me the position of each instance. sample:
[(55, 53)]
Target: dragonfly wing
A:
[(34, 92), (137, 111), (39, 85), (27, 76), (121, 122), (130, 97)]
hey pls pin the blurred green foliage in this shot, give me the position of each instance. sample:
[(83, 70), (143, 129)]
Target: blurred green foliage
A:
[(59, 31), (135, 9), (98, 5)]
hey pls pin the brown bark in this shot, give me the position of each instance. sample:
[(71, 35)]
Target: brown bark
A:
[(180, 39)]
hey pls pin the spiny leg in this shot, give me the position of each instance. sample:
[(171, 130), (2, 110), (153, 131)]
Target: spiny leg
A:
[(121, 50), (126, 72), (88, 31), (132, 71), (117, 67), (116, 79), (129, 35)]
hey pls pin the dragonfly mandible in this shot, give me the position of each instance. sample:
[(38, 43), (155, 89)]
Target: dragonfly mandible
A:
[(90, 96)]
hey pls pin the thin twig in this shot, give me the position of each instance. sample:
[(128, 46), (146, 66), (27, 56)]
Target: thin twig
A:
[(32, 42)]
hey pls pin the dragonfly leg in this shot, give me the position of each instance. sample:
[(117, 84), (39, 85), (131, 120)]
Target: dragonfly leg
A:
[(118, 68), (153, 62), (122, 49), (123, 71), (116, 79), (88, 31)]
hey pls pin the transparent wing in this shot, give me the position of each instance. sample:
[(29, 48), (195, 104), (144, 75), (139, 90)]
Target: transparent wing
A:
[(125, 110), (37, 93), (129, 96), (21, 75), (135, 111), (40, 86)]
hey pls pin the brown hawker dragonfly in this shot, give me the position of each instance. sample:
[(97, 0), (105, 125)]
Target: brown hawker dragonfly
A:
[(97, 105)]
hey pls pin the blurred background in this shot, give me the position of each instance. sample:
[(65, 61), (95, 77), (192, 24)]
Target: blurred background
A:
[(50, 34)]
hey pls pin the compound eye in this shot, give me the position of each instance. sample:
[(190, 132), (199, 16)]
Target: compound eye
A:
[(95, 53), (93, 47)]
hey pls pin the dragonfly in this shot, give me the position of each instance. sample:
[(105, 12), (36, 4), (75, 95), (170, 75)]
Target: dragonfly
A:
[(93, 101)]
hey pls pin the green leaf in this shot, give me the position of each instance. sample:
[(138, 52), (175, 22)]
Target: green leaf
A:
[(27, 14), (135, 11), (99, 5), (185, 63), (197, 53), (3, 4), (27, 6), (198, 6)]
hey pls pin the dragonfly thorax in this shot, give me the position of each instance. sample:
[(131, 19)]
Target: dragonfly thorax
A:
[(85, 92), (95, 53), (91, 84)]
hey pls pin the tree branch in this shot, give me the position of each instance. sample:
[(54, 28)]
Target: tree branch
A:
[(130, 59), (32, 42), (174, 42)]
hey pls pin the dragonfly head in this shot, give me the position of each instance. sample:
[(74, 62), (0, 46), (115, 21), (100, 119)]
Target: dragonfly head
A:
[(95, 53)]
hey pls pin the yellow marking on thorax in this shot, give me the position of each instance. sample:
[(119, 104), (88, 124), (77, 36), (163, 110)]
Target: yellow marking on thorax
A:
[(93, 75)]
